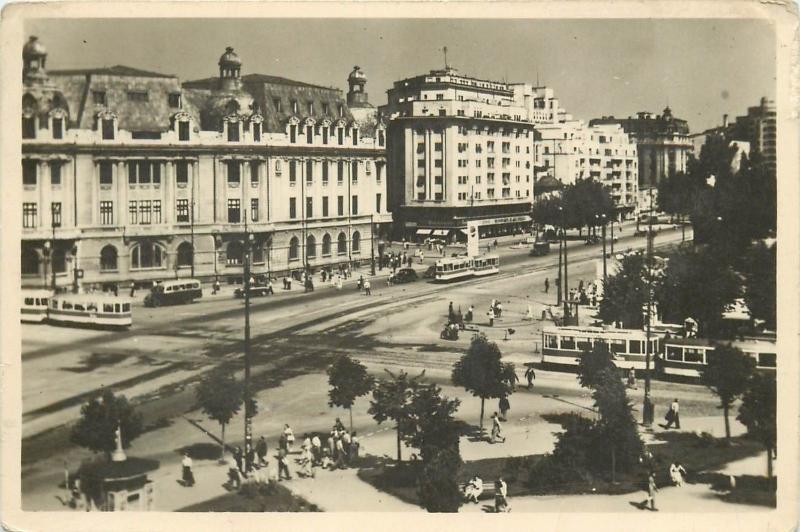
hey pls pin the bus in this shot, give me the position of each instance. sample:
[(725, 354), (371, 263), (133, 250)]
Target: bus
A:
[(456, 268), (173, 292), (683, 357), (90, 310), (34, 305), (564, 346)]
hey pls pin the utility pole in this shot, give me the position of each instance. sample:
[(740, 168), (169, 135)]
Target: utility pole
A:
[(372, 241), (248, 427), (191, 233), (612, 236), (648, 406), (566, 275), (605, 271), (53, 246)]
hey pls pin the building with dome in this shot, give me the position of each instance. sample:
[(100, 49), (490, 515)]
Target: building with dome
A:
[(135, 176)]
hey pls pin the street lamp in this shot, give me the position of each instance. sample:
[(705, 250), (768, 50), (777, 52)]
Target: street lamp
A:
[(191, 232), (248, 427), (648, 407), (48, 258), (372, 242), (566, 277)]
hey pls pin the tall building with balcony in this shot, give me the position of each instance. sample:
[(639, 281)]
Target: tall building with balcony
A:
[(133, 176), (758, 128), (459, 149), (662, 142)]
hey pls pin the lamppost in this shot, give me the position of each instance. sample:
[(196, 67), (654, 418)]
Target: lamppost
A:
[(53, 226), (372, 242), (191, 233), (248, 427), (566, 276), (612, 236), (48, 257), (648, 407), (605, 271)]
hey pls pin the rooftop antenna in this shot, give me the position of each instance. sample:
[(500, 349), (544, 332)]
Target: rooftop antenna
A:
[(445, 57)]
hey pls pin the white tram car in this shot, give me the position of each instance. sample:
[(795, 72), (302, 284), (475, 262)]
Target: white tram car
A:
[(456, 268), (564, 346), (683, 357), (90, 310), (34, 305)]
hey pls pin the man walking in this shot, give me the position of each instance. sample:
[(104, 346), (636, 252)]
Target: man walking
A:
[(673, 416), (530, 375), (283, 465), (367, 288), (651, 492), (261, 451), (188, 474), (546, 285), (504, 406)]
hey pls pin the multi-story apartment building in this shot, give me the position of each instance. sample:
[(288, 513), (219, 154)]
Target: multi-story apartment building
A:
[(758, 128), (459, 149), (131, 175), (662, 143)]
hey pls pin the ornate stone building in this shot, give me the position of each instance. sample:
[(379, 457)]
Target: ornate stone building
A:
[(131, 175)]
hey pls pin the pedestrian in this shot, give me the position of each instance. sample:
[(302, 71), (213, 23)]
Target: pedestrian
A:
[(307, 464), (651, 492), (632, 378), (580, 285), (673, 416), (450, 312), (282, 443), (188, 474), (491, 316), (239, 457), (530, 375), (283, 465), (287, 431), (338, 425), (501, 496), (217, 286), (354, 447), (473, 489), (497, 430), (421, 256), (360, 282), (368, 287), (133, 290), (316, 448), (504, 406), (340, 454), (261, 451), (676, 473), (234, 476), (346, 441), (270, 290), (546, 285), (326, 462)]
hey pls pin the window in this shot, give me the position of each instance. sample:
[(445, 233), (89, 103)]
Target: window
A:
[(437, 146), (106, 213), (181, 173), (29, 215), (146, 255), (324, 172), (28, 127), (355, 171), (340, 171), (355, 137), (138, 96), (234, 253), (340, 135), (356, 242), (132, 212), (341, 244), (234, 211), (693, 355), (58, 128), (437, 163), (309, 171), (292, 133), (292, 171), (108, 129), (294, 248), (233, 131), (311, 247), (234, 175), (381, 138), (55, 214), (256, 132), (354, 203), (309, 207), (145, 214), (183, 130), (276, 102), (292, 208), (174, 100), (108, 258), (99, 97), (156, 211), (254, 173), (106, 173), (340, 205), (325, 206), (324, 135), (29, 172), (421, 147), (185, 254), (309, 134), (377, 203), (254, 209), (156, 171), (182, 211), (55, 172), (567, 342), (326, 245)]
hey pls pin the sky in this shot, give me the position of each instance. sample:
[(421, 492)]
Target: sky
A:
[(701, 68)]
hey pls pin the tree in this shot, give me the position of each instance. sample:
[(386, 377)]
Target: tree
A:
[(616, 430), (547, 211), (625, 293), (592, 363), (97, 426), (727, 374), (481, 372), (760, 283), (349, 380), (437, 485), (757, 413), (391, 399), (586, 201), (432, 425), (219, 395)]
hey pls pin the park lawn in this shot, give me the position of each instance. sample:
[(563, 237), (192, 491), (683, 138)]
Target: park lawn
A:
[(759, 491), (275, 498)]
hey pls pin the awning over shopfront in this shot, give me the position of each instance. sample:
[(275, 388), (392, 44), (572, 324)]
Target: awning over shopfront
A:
[(423, 232), (440, 232)]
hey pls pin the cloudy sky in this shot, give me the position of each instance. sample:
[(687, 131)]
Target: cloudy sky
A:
[(702, 68)]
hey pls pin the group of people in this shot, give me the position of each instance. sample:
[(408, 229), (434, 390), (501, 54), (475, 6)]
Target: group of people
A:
[(474, 489), (583, 295), (365, 285), (395, 260)]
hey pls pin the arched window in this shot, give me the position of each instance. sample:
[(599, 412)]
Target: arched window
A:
[(185, 254), (294, 248), (147, 255), (235, 253), (356, 242), (311, 247), (30, 261), (326, 245), (341, 245), (108, 258)]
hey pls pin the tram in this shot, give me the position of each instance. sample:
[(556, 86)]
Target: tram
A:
[(90, 310), (457, 268), (173, 292), (34, 305), (564, 346), (683, 357)]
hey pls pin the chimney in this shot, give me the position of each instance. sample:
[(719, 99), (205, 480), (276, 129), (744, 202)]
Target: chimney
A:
[(725, 120)]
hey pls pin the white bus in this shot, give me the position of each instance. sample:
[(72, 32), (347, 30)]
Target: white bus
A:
[(34, 305), (90, 309), (564, 346), (456, 268)]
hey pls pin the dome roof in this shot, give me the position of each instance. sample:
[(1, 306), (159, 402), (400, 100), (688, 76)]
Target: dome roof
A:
[(230, 58), (357, 74), (33, 47)]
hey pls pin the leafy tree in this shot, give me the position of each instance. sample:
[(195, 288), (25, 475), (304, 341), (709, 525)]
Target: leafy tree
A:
[(97, 426), (431, 423), (760, 283), (616, 430), (625, 293), (219, 395), (585, 201), (592, 363), (758, 413), (349, 380), (437, 485), (727, 374), (391, 399), (481, 372), (547, 211)]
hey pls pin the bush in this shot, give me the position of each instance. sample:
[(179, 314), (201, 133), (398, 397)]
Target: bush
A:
[(438, 488), (551, 476)]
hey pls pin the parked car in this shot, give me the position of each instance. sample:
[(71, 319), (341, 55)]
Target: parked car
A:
[(406, 275), (256, 290)]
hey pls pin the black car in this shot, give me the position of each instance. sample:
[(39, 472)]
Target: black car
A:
[(255, 291), (406, 275), (430, 273), (540, 249)]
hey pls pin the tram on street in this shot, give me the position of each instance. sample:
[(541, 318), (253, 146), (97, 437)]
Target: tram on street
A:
[(34, 305), (174, 292), (90, 310), (564, 346), (683, 357), (455, 268)]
